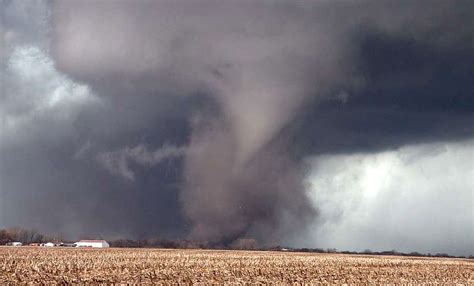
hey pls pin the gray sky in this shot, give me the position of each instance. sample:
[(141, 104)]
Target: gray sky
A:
[(308, 123)]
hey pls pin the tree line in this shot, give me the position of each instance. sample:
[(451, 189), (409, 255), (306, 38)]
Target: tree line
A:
[(24, 236)]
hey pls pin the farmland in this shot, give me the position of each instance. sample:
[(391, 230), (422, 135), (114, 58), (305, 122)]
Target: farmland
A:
[(69, 265)]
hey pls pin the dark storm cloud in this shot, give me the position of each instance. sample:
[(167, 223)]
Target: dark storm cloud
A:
[(52, 128), (255, 84), (413, 92), (240, 92)]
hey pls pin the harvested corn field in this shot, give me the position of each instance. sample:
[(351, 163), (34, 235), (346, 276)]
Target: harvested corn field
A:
[(63, 265)]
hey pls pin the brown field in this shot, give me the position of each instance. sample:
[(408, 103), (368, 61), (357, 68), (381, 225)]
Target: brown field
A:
[(62, 265)]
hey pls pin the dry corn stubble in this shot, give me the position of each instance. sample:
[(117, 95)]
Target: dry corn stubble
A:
[(63, 265)]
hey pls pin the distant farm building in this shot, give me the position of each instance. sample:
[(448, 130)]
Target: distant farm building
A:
[(15, 243), (49, 244), (92, 243)]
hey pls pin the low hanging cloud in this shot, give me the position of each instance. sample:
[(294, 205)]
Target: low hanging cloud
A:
[(118, 162)]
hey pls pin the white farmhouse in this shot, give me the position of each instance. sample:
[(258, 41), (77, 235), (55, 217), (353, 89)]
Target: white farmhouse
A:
[(92, 243), (49, 244)]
